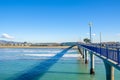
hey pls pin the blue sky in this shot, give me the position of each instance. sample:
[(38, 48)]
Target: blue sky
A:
[(59, 20)]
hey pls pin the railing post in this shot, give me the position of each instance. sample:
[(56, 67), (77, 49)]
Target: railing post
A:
[(100, 48), (118, 53), (107, 51)]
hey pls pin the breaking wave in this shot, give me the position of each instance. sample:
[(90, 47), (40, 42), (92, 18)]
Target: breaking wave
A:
[(50, 55)]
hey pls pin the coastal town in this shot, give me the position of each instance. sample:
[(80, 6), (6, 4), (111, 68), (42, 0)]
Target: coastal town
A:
[(4, 43)]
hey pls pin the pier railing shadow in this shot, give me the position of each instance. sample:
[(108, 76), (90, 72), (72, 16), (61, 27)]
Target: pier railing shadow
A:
[(40, 69)]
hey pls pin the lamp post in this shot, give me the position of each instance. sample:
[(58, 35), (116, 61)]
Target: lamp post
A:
[(91, 53), (90, 25)]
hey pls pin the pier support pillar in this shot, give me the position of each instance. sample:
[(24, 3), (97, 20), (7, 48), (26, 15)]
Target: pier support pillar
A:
[(79, 49), (92, 63), (83, 51), (86, 57), (109, 71)]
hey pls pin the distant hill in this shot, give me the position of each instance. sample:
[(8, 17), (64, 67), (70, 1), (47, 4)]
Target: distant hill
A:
[(8, 42), (3, 41)]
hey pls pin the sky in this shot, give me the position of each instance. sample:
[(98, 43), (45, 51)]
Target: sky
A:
[(59, 20)]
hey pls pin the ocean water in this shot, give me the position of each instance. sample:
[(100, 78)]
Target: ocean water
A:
[(16, 62)]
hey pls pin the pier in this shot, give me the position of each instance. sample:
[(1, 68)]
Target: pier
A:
[(109, 55)]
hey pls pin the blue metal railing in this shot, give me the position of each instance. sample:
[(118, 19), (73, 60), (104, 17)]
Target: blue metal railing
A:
[(107, 51)]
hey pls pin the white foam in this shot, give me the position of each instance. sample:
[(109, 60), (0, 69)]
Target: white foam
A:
[(45, 55), (47, 51), (72, 55), (50, 55), (32, 51)]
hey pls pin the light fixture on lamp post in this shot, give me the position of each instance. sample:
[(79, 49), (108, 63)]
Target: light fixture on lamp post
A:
[(100, 37)]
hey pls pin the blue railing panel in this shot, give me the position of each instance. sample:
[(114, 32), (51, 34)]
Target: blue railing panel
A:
[(104, 52), (112, 54), (119, 58), (108, 52)]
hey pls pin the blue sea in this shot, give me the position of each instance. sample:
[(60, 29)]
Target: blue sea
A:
[(18, 62)]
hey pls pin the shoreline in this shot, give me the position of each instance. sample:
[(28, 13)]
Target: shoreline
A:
[(75, 47)]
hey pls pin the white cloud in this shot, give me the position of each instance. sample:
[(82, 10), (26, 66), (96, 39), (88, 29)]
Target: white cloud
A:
[(94, 34), (6, 36)]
